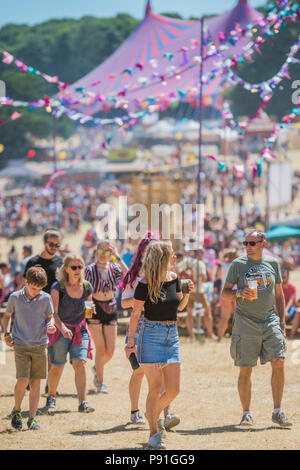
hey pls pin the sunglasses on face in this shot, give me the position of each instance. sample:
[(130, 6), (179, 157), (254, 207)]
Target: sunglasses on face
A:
[(105, 252), (54, 245), (75, 268), (250, 243)]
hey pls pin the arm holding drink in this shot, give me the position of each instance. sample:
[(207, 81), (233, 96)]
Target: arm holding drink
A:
[(187, 286)]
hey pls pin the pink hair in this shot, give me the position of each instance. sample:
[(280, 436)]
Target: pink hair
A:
[(136, 262)]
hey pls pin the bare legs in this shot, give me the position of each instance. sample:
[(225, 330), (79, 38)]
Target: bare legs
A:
[(157, 401), (104, 338), (277, 384)]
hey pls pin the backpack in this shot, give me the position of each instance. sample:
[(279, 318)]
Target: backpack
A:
[(62, 289)]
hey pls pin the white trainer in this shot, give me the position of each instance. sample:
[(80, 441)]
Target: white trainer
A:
[(171, 420), (155, 442)]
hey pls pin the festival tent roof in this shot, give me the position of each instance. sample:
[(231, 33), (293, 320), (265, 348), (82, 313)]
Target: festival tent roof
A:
[(283, 231), (155, 36)]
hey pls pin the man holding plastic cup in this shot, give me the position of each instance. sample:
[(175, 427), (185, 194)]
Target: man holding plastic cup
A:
[(259, 326)]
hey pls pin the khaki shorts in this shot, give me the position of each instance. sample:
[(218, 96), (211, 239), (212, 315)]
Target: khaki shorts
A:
[(251, 340), (31, 362), (202, 300)]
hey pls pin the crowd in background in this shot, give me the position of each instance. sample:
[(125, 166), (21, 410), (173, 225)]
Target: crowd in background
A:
[(216, 256), (31, 208)]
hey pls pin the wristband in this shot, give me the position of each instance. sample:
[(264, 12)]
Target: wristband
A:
[(130, 337), (282, 323), (8, 335)]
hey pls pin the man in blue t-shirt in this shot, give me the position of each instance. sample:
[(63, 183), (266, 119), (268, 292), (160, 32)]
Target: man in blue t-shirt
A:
[(259, 322)]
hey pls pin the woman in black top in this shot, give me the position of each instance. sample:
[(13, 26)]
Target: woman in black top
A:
[(159, 293)]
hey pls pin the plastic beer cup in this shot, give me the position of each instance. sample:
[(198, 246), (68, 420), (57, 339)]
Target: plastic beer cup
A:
[(185, 286), (253, 286), (88, 304)]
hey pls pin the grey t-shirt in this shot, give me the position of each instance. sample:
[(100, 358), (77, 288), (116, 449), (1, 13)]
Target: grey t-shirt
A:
[(29, 328), (267, 273)]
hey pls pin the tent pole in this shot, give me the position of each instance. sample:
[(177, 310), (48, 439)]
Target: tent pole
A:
[(198, 309)]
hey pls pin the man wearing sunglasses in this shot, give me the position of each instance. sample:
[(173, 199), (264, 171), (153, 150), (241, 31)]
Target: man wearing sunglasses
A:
[(48, 259), (259, 322)]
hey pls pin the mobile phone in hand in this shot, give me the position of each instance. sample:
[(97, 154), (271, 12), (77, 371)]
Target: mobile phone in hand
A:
[(133, 361)]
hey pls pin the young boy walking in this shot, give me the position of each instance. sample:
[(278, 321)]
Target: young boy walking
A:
[(33, 311)]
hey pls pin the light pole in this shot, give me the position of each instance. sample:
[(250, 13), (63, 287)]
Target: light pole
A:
[(198, 309)]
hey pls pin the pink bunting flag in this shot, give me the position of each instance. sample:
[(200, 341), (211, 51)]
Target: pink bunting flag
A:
[(254, 171), (239, 171), (215, 159), (19, 63), (54, 177), (153, 63), (15, 116), (49, 79), (194, 43), (7, 58)]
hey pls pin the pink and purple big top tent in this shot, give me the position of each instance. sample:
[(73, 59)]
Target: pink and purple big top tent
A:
[(150, 51)]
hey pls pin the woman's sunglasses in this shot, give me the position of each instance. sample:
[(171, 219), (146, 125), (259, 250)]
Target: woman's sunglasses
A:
[(250, 243), (54, 245), (75, 268), (105, 252)]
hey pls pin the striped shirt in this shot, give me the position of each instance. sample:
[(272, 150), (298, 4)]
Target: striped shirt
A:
[(93, 275)]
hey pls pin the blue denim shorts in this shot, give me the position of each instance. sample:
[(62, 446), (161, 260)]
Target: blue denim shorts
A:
[(158, 343), (58, 352)]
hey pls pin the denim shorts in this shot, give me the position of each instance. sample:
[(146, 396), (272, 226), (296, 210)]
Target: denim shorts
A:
[(59, 350), (158, 343)]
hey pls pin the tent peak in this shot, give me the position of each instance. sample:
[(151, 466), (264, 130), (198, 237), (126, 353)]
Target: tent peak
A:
[(148, 8)]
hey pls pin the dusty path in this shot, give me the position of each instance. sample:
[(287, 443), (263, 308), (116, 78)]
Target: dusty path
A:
[(208, 405)]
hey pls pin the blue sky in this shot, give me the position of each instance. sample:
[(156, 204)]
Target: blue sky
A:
[(37, 11)]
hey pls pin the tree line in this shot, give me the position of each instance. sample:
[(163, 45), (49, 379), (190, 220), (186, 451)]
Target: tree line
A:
[(71, 48)]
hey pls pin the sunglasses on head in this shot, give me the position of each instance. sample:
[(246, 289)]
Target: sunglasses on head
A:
[(75, 268), (251, 243), (105, 252), (54, 245)]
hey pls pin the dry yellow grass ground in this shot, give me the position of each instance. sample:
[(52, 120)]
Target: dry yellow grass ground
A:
[(208, 405)]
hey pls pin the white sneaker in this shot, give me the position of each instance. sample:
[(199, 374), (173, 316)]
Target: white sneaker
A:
[(137, 418), (102, 388), (155, 442), (161, 427), (171, 421)]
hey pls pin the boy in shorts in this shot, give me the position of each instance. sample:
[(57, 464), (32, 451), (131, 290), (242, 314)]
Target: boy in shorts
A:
[(33, 311)]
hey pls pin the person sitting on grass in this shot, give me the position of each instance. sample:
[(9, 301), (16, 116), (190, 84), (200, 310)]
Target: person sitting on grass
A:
[(33, 311)]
